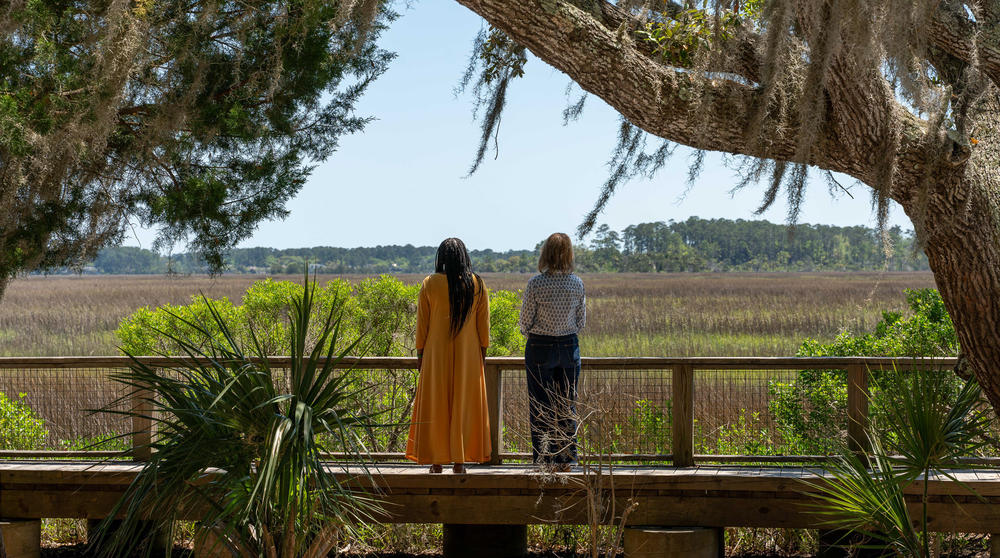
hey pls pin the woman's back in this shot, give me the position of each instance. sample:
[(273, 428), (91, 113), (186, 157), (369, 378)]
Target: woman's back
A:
[(435, 306), (554, 304)]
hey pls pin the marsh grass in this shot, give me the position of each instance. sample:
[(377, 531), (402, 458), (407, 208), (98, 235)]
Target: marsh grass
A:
[(668, 314)]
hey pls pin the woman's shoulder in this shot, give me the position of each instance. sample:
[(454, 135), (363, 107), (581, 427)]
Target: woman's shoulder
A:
[(434, 279), (558, 277)]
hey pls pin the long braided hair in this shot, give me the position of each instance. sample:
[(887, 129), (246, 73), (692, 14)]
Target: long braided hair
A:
[(453, 260)]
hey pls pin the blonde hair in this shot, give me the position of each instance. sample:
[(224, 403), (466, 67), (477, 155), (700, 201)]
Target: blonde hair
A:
[(557, 254)]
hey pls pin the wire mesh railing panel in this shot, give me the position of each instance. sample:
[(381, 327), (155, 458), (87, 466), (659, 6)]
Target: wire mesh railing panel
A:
[(891, 405), (62, 398), (619, 412), (514, 412), (766, 412), (625, 412), (378, 404), (385, 397)]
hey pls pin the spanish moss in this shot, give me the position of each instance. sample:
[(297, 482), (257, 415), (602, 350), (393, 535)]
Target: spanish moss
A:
[(629, 159), (495, 62), (798, 55)]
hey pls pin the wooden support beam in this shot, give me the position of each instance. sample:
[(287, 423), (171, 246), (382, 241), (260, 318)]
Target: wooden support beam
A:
[(20, 538), (494, 398), (705, 496), (857, 409), (672, 542), (682, 422), (142, 425)]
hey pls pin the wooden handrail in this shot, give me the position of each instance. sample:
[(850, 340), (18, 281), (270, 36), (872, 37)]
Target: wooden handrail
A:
[(682, 372), (594, 363)]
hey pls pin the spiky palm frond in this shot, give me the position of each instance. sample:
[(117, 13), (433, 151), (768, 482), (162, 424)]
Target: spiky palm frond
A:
[(239, 442), (865, 500), (932, 425), (928, 422)]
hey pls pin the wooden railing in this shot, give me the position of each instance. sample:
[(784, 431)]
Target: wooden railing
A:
[(682, 382)]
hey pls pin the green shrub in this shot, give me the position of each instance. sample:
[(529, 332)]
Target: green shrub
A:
[(811, 410), (143, 333), (265, 309), (111, 441), (386, 310), (383, 308), (20, 427), (746, 436), (505, 333)]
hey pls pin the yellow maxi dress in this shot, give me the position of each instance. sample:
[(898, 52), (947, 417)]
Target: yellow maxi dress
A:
[(450, 414)]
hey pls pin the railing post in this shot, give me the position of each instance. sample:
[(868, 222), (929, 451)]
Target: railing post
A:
[(494, 399), (683, 415), (142, 426), (857, 409)]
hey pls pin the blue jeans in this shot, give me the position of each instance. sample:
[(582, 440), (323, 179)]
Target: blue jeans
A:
[(553, 370)]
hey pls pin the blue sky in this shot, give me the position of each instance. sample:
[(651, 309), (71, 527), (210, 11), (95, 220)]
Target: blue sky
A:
[(402, 181)]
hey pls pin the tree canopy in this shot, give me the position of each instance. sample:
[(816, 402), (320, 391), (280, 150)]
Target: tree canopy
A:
[(200, 117), (691, 245)]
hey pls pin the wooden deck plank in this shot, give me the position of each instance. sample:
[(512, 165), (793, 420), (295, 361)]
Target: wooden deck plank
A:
[(985, 483), (704, 495)]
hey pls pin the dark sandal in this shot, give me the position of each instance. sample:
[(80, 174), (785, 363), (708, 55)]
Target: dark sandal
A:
[(458, 469), (436, 468)]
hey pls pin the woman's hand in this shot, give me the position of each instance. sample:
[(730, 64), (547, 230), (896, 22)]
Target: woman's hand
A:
[(420, 361)]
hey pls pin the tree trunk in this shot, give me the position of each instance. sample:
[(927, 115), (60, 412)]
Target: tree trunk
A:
[(963, 250)]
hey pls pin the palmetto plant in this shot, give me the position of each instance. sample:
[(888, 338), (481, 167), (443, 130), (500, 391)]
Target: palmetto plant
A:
[(927, 424), (239, 443)]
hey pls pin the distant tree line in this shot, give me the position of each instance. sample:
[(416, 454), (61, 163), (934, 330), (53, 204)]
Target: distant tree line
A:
[(692, 245)]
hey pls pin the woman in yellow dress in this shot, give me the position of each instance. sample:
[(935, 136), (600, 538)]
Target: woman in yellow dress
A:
[(450, 414)]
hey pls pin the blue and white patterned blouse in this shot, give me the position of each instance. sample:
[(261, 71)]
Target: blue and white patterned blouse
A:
[(554, 304)]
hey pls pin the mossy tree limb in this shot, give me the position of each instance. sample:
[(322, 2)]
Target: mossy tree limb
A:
[(902, 96)]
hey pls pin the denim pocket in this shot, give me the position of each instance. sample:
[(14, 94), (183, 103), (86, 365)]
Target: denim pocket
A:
[(543, 354), (537, 353), (569, 356)]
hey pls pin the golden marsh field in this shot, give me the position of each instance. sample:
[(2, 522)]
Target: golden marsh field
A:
[(668, 314)]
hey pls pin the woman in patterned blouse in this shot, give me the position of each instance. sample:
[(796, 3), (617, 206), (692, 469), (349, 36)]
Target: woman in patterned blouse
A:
[(552, 312)]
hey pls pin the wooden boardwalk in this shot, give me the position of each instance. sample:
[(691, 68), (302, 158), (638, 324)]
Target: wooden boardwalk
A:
[(709, 496)]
